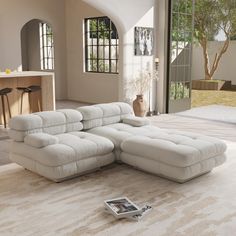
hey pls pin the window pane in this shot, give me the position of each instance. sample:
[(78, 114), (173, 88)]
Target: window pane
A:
[(117, 52), (93, 35), (186, 90), (90, 52), (106, 64), (101, 65), (172, 90), (113, 66), (101, 52), (94, 55), (106, 35), (101, 38), (88, 38), (106, 49), (94, 65), (92, 25), (94, 41), (99, 45), (114, 41), (113, 52)]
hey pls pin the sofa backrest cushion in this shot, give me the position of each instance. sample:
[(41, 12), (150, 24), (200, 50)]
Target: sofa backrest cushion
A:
[(50, 122), (104, 114)]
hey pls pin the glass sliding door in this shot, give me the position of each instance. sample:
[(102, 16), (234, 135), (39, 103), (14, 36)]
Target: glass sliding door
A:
[(181, 20)]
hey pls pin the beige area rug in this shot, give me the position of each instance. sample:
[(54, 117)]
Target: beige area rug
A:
[(32, 205), (225, 114)]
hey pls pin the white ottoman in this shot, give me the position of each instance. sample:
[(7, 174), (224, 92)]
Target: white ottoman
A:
[(176, 155)]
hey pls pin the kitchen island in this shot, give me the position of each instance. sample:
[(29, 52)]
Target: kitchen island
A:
[(45, 97)]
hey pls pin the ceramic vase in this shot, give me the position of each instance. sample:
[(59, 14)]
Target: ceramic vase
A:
[(139, 106)]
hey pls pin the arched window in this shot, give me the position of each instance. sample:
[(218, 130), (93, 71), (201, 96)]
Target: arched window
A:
[(37, 47), (46, 46), (101, 45)]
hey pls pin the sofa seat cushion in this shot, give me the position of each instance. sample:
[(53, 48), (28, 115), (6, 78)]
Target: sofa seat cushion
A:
[(85, 144), (66, 171), (172, 147), (118, 132), (175, 149), (178, 174), (71, 147)]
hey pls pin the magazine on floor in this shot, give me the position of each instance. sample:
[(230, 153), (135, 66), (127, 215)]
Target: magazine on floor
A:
[(124, 208)]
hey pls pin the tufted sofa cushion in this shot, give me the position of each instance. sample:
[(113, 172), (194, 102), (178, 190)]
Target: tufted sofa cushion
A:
[(70, 147), (172, 147), (50, 122), (104, 114)]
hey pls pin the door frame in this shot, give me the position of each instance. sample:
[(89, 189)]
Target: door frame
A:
[(185, 102)]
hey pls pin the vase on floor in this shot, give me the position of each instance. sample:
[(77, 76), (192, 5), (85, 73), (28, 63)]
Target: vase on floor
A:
[(139, 106)]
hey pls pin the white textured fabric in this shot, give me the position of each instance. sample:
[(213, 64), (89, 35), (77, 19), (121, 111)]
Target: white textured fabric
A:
[(90, 112), (125, 108), (71, 147), (51, 122), (117, 137), (25, 122), (65, 171), (54, 148), (109, 109), (73, 119), (104, 114), (111, 120), (192, 145), (178, 174), (174, 154), (20, 135), (40, 140), (88, 124), (178, 150), (136, 121)]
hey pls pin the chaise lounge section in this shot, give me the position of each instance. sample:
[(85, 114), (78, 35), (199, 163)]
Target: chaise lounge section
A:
[(53, 144)]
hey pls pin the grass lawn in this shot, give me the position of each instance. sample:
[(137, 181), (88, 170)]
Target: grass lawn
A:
[(209, 97)]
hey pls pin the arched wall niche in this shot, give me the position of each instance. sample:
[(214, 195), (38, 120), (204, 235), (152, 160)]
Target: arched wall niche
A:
[(30, 44)]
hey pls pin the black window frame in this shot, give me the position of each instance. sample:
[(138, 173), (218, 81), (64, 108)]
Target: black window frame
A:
[(45, 32), (92, 64)]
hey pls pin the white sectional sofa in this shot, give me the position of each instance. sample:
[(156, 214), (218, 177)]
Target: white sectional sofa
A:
[(53, 145)]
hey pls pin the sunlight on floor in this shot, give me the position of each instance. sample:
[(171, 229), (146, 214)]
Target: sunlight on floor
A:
[(209, 97)]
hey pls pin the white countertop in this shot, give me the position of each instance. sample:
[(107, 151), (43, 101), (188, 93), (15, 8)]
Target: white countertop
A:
[(25, 74)]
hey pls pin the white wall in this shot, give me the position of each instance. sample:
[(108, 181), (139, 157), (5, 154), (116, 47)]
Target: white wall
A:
[(13, 15), (82, 86), (126, 15), (227, 66), (66, 18)]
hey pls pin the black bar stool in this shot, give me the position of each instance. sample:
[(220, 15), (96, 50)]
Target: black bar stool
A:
[(4, 92), (31, 89)]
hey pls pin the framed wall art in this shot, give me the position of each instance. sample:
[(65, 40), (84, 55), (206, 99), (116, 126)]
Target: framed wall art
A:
[(143, 41)]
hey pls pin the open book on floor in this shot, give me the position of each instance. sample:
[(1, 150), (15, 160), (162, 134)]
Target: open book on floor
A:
[(124, 208)]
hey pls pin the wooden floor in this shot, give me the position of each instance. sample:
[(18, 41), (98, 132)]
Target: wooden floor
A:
[(206, 206)]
